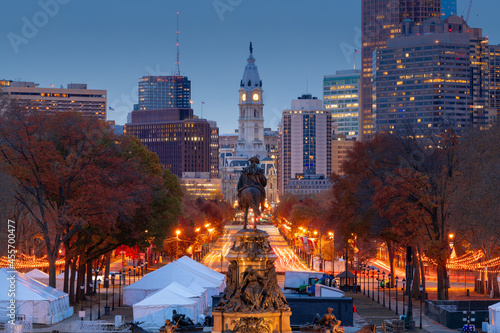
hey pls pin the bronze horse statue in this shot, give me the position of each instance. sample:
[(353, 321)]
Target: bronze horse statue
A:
[(251, 191), (250, 198)]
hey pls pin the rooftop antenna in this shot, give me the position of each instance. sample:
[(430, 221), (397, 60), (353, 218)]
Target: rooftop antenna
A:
[(178, 71)]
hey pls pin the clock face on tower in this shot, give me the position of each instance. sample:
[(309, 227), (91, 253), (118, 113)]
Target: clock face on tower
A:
[(244, 97), (255, 97)]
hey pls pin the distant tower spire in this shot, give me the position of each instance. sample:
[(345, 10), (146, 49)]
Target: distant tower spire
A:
[(178, 70), (251, 47)]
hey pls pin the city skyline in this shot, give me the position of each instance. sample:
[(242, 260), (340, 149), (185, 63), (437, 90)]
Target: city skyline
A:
[(52, 42)]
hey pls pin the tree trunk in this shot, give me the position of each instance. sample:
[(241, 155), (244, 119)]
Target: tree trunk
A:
[(476, 279), (482, 283), (67, 263), (81, 280), (416, 276), (88, 264), (493, 284), (443, 282), (107, 259), (422, 268), (72, 282), (52, 268), (390, 250)]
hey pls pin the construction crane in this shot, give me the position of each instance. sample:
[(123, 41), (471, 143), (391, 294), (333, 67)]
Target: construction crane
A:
[(468, 12)]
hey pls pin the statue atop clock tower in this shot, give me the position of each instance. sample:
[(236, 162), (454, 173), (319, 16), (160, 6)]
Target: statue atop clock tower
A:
[(251, 117)]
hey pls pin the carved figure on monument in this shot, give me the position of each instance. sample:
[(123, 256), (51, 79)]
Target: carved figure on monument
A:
[(326, 323), (252, 325), (251, 192), (169, 327), (181, 320), (252, 286)]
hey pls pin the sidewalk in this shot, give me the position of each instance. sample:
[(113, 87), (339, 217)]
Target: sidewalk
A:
[(375, 313)]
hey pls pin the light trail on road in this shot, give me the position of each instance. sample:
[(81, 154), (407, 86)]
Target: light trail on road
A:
[(287, 259)]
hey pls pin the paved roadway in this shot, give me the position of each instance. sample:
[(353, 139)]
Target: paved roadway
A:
[(287, 259)]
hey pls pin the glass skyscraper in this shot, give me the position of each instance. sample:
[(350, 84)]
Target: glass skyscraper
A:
[(341, 96), (380, 21), (164, 92)]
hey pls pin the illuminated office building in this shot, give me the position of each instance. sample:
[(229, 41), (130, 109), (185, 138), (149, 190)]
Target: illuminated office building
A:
[(76, 97), (306, 141), (437, 75), (341, 97), (380, 21), (164, 92), (182, 143)]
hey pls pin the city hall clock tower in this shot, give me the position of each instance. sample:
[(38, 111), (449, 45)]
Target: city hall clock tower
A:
[(251, 118)]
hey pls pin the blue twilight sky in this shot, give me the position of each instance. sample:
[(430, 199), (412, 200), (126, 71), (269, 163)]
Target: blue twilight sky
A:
[(110, 44)]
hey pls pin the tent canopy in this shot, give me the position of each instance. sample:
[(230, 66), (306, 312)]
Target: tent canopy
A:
[(193, 264), (37, 274), (27, 289), (36, 301), (161, 278), (158, 307)]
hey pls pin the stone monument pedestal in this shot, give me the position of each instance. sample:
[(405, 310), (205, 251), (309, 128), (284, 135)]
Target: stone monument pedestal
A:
[(275, 322), (253, 301)]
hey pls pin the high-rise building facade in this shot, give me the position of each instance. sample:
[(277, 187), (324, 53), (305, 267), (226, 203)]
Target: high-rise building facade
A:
[(341, 97), (306, 141), (448, 8), (380, 21), (164, 92), (435, 76), (182, 143), (76, 97), (340, 149), (214, 149)]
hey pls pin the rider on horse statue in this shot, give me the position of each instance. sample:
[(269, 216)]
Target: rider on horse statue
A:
[(252, 176)]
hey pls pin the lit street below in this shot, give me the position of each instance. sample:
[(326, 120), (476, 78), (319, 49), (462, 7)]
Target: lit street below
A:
[(287, 259)]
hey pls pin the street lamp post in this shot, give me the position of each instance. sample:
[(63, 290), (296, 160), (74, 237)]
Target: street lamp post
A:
[(332, 237), (121, 276), (383, 290), (421, 288), (129, 272), (106, 285), (390, 286), (404, 282), (91, 285), (146, 267), (82, 287), (113, 297), (98, 299), (373, 284), (378, 286), (397, 279), (135, 273), (363, 275)]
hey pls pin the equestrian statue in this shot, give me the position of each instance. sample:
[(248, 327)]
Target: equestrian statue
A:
[(251, 192)]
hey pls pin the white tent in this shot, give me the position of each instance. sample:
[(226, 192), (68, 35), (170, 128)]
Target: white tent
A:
[(199, 289), (155, 309), (35, 301), (188, 293), (159, 279), (60, 281), (189, 263), (494, 311), (39, 276)]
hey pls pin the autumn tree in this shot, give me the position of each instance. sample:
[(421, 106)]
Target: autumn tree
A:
[(475, 208), (73, 175)]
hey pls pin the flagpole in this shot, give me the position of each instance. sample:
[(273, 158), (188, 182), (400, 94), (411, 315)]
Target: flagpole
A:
[(201, 110)]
